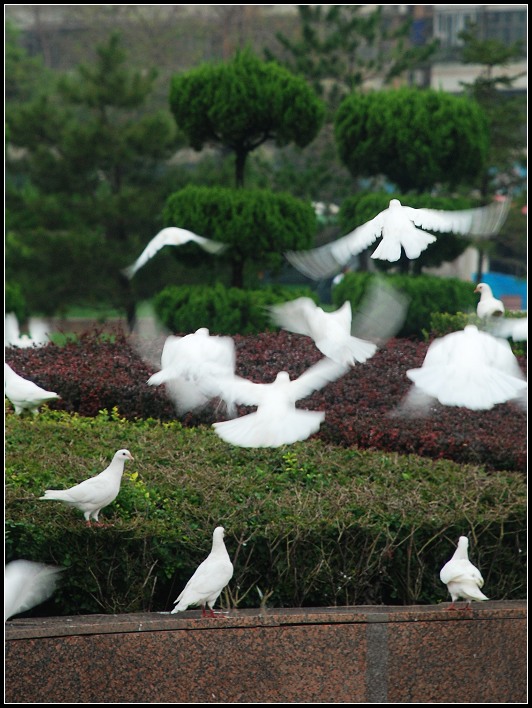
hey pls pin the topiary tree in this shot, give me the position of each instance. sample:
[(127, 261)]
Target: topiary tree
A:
[(258, 225), (415, 138), (242, 104)]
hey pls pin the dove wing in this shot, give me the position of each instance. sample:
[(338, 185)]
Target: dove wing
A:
[(317, 376)]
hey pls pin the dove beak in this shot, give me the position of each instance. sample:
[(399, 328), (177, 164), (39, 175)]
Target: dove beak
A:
[(476, 290), (131, 456)]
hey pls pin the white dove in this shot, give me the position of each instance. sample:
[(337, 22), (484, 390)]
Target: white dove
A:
[(276, 421), (398, 227), (37, 337), (209, 579), (27, 584), (515, 328), (470, 368), (187, 365), (95, 493), (172, 236), (488, 306), (24, 394), (462, 578), (331, 331)]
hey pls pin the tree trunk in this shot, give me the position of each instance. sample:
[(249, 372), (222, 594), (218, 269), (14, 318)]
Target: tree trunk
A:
[(237, 273), (240, 164)]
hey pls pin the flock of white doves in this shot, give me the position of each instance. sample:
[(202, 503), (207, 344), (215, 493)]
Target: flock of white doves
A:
[(472, 368)]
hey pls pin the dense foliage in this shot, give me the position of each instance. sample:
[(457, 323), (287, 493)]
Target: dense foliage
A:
[(311, 524), (244, 103), (257, 224), (222, 310), (416, 138), (363, 408)]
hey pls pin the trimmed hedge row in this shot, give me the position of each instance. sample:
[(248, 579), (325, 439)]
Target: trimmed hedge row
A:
[(310, 524), (363, 408)]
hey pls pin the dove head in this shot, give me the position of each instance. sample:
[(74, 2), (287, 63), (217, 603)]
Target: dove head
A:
[(123, 455), (461, 549), (282, 377), (394, 203), (483, 288), (203, 331), (218, 536)]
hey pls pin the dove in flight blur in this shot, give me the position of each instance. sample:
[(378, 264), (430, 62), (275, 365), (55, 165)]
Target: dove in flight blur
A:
[(95, 493), (470, 368), (515, 328), (341, 335), (488, 306), (27, 584), (209, 579), (462, 578), (172, 236), (398, 226), (331, 331), (38, 332), (24, 394), (276, 421), (188, 364)]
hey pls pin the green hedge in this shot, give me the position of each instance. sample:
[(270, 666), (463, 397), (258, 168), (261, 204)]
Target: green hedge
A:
[(307, 524), (426, 293), (222, 310)]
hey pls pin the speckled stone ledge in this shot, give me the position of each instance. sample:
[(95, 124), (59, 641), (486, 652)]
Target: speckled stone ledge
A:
[(363, 654)]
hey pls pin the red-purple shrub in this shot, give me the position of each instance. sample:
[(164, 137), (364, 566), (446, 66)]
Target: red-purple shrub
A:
[(363, 408)]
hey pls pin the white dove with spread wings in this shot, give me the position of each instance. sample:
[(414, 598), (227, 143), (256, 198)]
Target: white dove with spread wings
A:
[(276, 421), (172, 236)]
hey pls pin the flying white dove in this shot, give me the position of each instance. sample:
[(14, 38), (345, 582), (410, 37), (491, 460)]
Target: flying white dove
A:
[(488, 306), (398, 227), (27, 584), (172, 236), (95, 493), (462, 578), (188, 364), (24, 394), (37, 337), (515, 328), (331, 331), (276, 421), (470, 368), (340, 335), (209, 579)]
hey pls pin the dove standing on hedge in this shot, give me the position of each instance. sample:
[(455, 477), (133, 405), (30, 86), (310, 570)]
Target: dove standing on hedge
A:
[(462, 578), (470, 368), (188, 364), (488, 306), (398, 226), (331, 331), (27, 584), (24, 394), (92, 495), (172, 236), (276, 421), (210, 578)]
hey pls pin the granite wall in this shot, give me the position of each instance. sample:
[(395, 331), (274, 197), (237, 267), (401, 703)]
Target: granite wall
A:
[(417, 654)]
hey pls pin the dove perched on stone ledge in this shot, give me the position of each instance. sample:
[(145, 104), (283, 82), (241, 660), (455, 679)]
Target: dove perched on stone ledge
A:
[(209, 579), (462, 578), (401, 228), (24, 394), (172, 236), (95, 493)]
